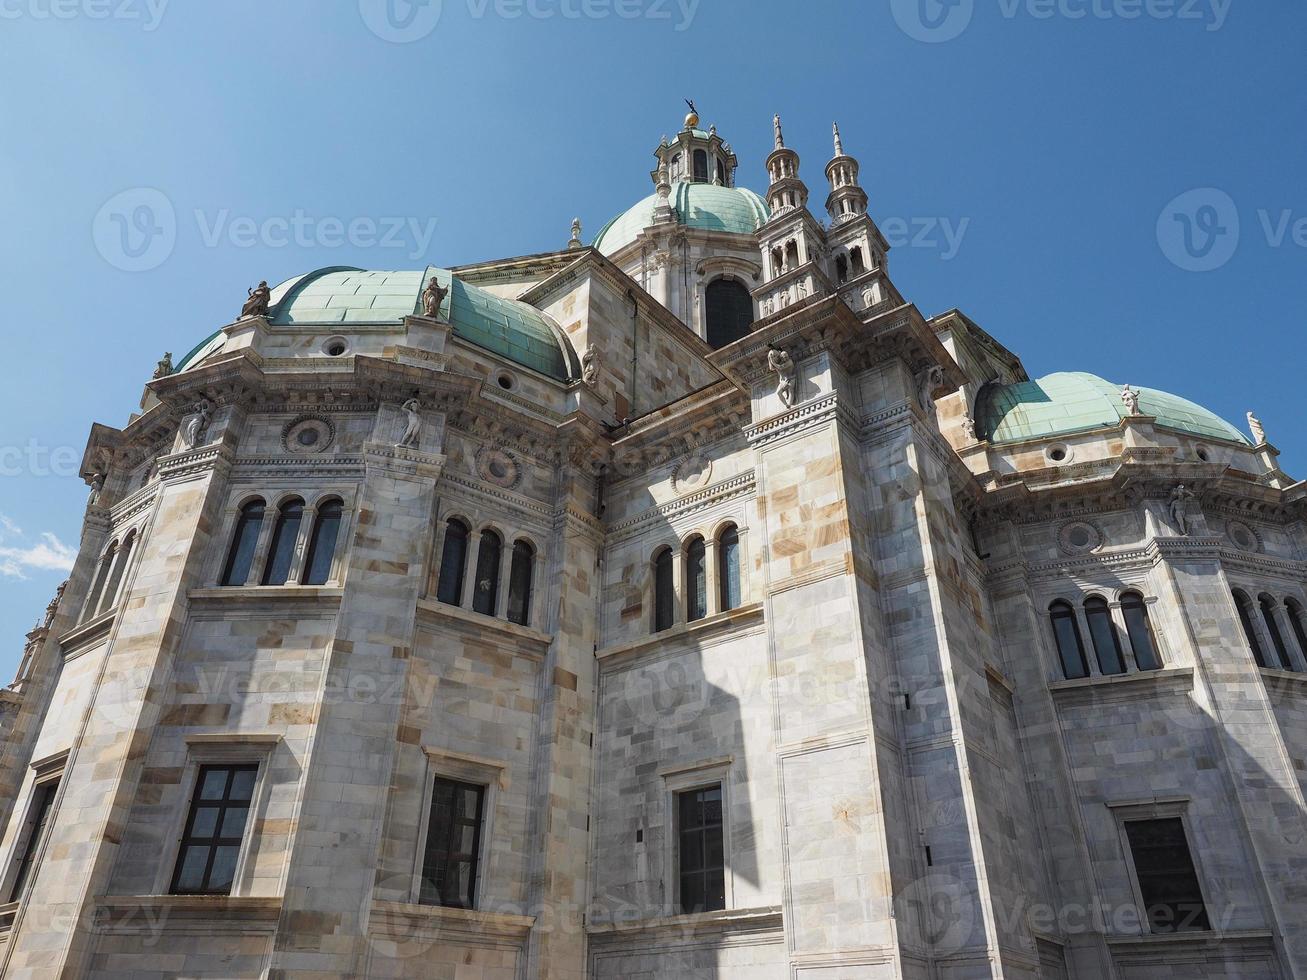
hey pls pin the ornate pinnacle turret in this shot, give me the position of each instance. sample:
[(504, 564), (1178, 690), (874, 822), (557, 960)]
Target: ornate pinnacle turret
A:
[(780, 137), (576, 234), (787, 190), (847, 199), (839, 144)]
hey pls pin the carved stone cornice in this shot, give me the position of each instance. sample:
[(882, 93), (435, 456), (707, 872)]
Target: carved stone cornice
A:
[(743, 484), (402, 461), (806, 416), (702, 419), (195, 462)]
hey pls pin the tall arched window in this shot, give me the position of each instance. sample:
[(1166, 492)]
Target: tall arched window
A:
[(721, 171), (728, 571), (1139, 629), (842, 268), (676, 167), (285, 535), (1070, 649), (791, 254), (701, 166), (519, 583), (244, 540), (664, 591), (110, 596), (1245, 607), (453, 563), (1102, 631), (101, 579), (1296, 620), (322, 544), (485, 592), (859, 264), (696, 581), (728, 312), (1273, 631)]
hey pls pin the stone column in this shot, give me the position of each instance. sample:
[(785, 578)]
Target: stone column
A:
[(335, 853)]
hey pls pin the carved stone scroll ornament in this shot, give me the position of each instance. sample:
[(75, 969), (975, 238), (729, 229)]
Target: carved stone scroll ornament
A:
[(782, 365)]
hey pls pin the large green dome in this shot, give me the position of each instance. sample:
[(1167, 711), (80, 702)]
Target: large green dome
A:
[(710, 207), (1072, 401), (345, 297)]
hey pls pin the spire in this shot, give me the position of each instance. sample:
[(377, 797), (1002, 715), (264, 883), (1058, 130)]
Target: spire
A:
[(787, 191), (847, 199), (780, 137), (576, 234)]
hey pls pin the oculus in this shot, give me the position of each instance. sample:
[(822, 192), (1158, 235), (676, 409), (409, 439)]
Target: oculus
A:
[(307, 435)]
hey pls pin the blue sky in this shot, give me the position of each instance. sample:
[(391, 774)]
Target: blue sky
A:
[(1029, 156)]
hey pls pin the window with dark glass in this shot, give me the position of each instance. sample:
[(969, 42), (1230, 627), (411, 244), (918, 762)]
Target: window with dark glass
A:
[(1168, 882), (1102, 631), (728, 574), (322, 543), (101, 580), (519, 583), (1070, 649), (696, 581), (1296, 620), (1140, 630), (1244, 606), (243, 542), (721, 171), (701, 166), (215, 828), (453, 564), (842, 268), (859, 264), (486, 591), (115, 583), (664, 591), (702, 850), (1273, 631), (285, 535), (38, 820), (728, 312), (449, 864)]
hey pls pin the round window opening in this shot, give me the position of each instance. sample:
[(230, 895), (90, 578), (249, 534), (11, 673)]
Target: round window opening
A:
[(498, 469), (1080, 537), (336, 347), (308, 437), (1243, 537), (506, 382), (1058, 454), (1204, 455)]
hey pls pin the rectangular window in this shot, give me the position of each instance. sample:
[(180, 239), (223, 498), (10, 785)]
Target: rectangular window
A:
[(1168, 882), (37, 822), (702, 850), (215, 830), (449, 865)]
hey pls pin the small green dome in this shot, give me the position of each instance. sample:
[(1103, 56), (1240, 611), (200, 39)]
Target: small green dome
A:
[(344, 296), (1072, 401), (710, 207)]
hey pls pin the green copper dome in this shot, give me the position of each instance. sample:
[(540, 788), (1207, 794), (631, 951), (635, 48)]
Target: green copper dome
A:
[(710, 207), (1068, 402), (343, 296)]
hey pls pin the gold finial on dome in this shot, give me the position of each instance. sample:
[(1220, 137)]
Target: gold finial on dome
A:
[(691, 118)]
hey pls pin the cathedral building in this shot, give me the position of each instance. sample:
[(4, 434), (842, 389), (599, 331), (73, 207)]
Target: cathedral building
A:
[(683, 605)]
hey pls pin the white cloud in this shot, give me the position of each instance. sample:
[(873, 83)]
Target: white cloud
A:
[(48, 555), (9, 527)]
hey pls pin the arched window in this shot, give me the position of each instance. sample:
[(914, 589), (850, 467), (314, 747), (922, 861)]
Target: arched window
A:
[(243, 542), (322, 545), (485, 592), (728, 312), (1070, 649), (1273, 631), (519, 583), (119, 569), (285, 535), (701, 166), (777, 261), (859, 265), (453, 563), (842, 268), (1139, 629), (1296, 620), (721, 171), (101, 578), (664, 591), (696, 581), (1245, 607), (791, 255), (728, 572), (1102, 631), (676, 167)]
